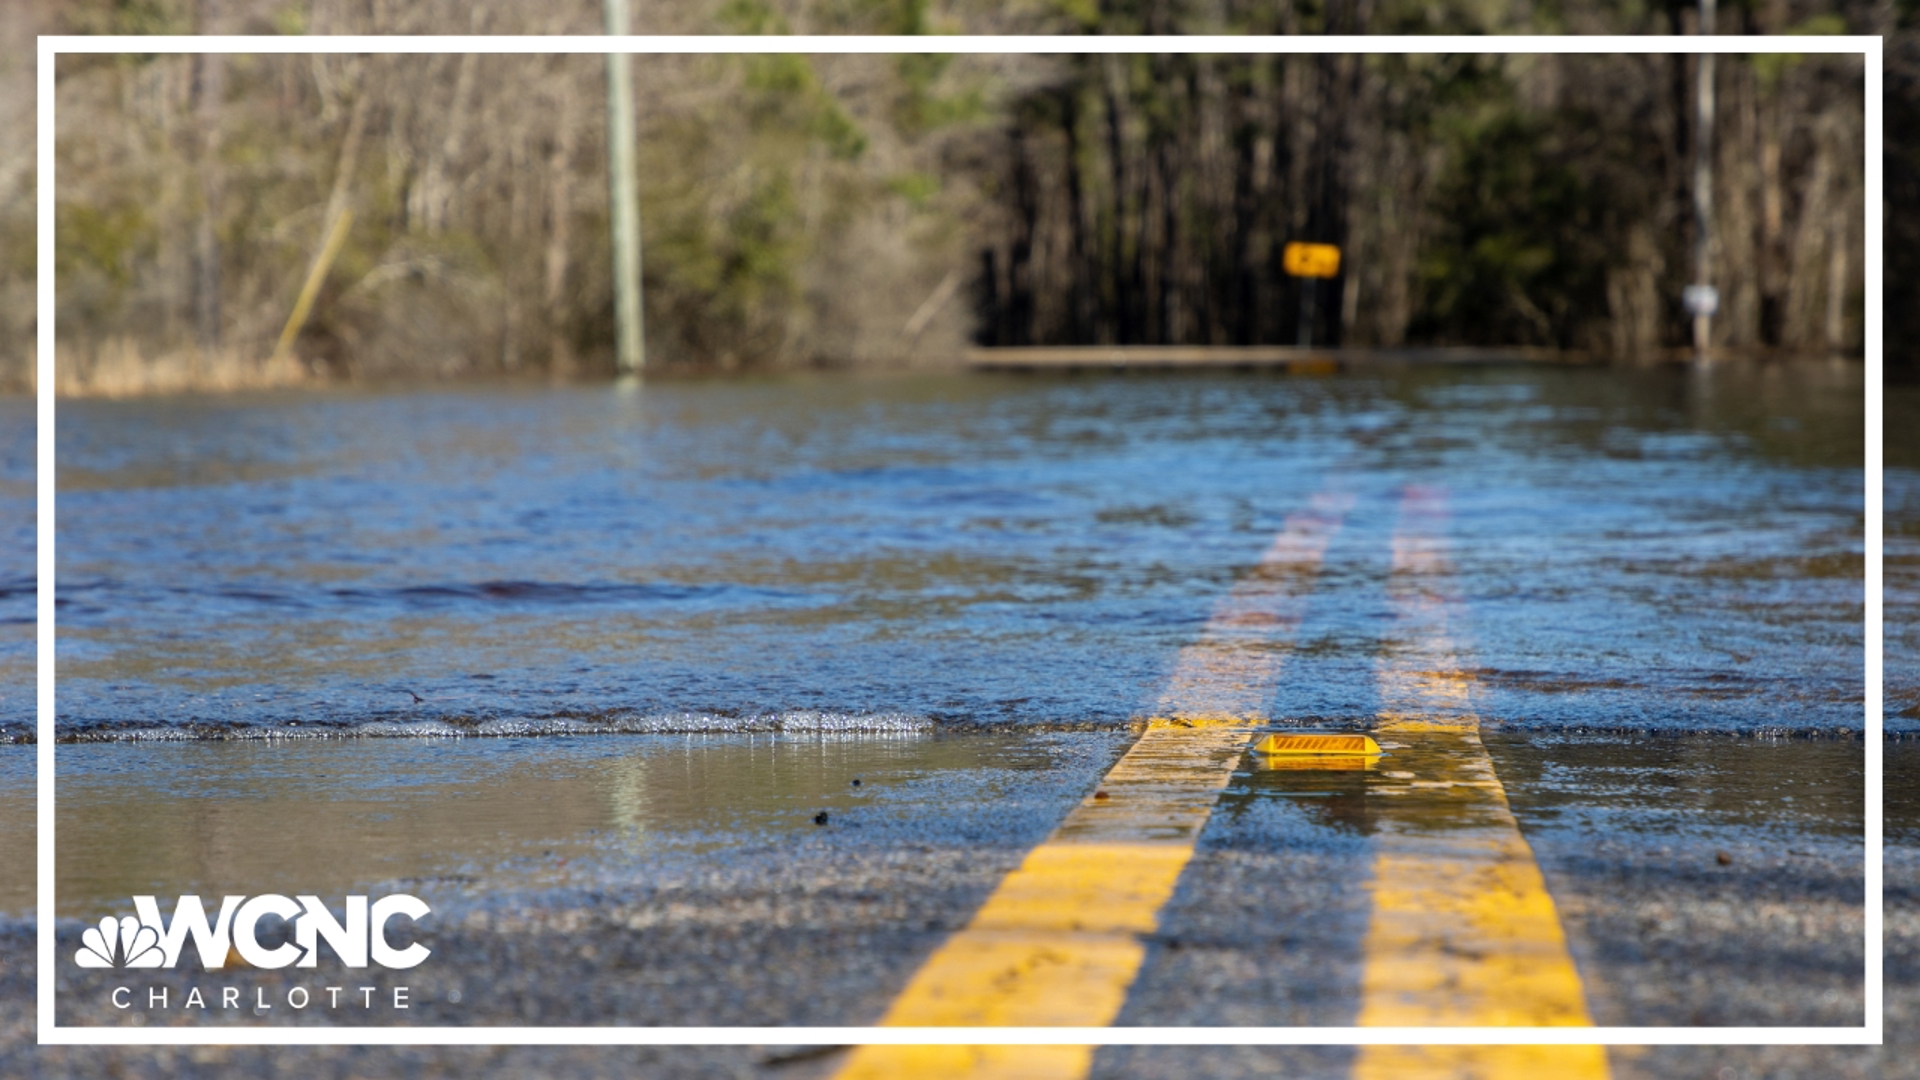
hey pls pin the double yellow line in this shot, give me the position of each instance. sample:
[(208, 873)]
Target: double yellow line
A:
[(1463, 931), (1461, 934), (1059, 942)]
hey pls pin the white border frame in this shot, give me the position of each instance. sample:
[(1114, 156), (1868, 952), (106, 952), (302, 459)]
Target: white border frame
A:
[(49, 1033)]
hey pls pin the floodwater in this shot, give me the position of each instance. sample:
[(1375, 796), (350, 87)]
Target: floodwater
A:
[(962, 592), (795, 878), (469, 818), (458, 820), (1657, 551), (17, 569)]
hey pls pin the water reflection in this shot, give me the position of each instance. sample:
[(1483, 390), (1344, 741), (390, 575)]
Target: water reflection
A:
[(1781, 790), (442, 816)]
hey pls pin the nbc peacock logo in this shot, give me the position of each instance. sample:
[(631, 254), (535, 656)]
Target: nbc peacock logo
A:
[(120, 943)]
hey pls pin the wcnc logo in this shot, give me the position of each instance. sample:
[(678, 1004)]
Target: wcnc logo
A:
[(150, 941)]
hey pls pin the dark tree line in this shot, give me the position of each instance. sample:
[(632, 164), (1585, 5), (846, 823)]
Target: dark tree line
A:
[(1478, 200), (1902, 211), (828, 210)]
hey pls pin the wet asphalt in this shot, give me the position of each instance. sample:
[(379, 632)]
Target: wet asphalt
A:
[(1701, 881)]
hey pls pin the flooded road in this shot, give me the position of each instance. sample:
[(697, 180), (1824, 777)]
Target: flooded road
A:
[(684, 856), (1581, 606), (1637, 551), (462, 820)]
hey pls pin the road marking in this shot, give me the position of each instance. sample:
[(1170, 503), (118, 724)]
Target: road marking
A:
[(1059, 942), (1463, 931)]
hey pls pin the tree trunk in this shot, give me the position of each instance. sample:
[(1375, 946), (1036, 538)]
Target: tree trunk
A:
[(1079, 272), (560, 233), (436, 188), (209, 91)]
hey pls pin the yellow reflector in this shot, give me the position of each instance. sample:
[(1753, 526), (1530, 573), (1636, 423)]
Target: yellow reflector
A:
[(1314, 763), (1318, 744)]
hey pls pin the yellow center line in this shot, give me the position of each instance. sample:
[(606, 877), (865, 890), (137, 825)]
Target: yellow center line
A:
[(1463, 931), (1059, 941)]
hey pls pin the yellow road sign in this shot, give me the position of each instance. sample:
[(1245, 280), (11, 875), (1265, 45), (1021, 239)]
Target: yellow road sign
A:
[(1311, 260)]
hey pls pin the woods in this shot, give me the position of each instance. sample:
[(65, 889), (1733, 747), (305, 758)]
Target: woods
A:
[(480, 239), (837, 211), (1480, 200)]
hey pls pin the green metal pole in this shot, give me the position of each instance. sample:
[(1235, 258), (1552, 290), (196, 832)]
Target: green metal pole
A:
[(625, 200)]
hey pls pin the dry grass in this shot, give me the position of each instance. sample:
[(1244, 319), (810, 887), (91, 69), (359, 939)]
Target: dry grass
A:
[(119, 368)]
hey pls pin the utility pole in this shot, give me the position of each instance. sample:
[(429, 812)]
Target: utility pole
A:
[(1702, 299), (625, 200)]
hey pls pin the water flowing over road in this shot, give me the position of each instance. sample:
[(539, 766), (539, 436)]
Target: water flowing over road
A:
[(936, 699), (1635, 551)]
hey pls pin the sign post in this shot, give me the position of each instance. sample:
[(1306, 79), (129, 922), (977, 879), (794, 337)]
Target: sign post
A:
[(1312, 262)]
